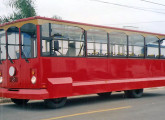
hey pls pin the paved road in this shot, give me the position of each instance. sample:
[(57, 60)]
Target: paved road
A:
[(150, 107)]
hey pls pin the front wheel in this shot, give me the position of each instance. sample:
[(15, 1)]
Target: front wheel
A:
[(55, 103), (134, 93), (19, 101)]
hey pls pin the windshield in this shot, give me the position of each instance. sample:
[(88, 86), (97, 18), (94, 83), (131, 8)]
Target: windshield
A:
[(28, 37), (13, 43), (28, 42), (2, 45)]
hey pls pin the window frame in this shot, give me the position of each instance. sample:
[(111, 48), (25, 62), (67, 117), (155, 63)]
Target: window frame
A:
[(159, 51), (85, 49), (107, 40), (126, 45), (138, 57), (5, 45), (50, 29), (36, 45)]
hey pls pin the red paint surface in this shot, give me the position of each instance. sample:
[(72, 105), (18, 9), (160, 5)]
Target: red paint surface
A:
[(60, 87), (68, 76), (35, 94), (86, 76)]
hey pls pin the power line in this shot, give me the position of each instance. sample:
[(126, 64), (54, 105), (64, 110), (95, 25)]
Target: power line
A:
[(153, 2), (135, 22), (127, 6), (154, 9)]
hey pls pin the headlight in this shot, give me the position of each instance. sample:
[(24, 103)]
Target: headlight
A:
[(1, 79), (12, 71), (33, 80)]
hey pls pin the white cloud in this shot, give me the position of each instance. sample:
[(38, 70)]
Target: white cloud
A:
[(4, 9), (103, 14)]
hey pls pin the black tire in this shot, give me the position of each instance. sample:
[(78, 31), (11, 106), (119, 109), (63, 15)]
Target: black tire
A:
[(134, 93), (106, 94), (19, 101), (55, 103)]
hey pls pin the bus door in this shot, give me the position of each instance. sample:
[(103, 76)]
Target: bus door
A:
[(13, 55), (21, 51), (29, 61), (3, 62)]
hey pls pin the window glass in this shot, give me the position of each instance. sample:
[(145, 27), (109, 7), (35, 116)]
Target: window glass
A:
[(136, 45), (2, 45), (28, 41), (45, 30), (63, 40), (162, 49), (45, 43), (13, 42), (152, 47), (118, 44), (96, 43)]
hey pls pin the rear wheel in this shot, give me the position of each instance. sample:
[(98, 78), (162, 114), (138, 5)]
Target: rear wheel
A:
[(106, 94), (19, 101), (55, 103), (134, 93)]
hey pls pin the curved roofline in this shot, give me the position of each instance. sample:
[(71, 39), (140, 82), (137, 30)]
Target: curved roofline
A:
[(20, 20), (72, 22)]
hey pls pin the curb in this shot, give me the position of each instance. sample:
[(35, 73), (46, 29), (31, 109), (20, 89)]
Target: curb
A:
[(5, 100)]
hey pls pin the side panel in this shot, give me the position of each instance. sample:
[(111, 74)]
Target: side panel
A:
[(95, 75), (3, 69)]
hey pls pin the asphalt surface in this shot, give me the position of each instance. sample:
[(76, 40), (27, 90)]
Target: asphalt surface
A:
[(150, 107)]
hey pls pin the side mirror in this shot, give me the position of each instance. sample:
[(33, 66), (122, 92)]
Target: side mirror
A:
[(161, 42), (56, 46)]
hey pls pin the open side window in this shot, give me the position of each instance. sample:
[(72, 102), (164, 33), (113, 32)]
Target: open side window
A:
[(62, 40), (97, 43), (2, 45)]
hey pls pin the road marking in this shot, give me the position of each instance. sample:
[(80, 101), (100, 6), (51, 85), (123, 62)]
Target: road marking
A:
[(85, 113)]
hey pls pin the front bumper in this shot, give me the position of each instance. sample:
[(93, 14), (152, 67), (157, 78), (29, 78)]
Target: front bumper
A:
[(34, 94)]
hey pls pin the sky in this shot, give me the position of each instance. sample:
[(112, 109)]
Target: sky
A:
[(94, 12)]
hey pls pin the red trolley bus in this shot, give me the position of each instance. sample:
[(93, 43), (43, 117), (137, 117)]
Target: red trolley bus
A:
[(49, 59)]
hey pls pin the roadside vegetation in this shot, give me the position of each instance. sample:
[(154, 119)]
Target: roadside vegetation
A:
[(21, 9)]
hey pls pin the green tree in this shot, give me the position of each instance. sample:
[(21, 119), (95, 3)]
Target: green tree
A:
[(21, 9)]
